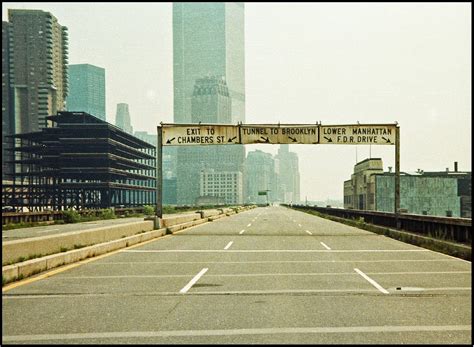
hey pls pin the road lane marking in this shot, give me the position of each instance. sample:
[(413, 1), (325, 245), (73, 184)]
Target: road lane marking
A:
[(229, 244), (273, 261), (236, 332), (269, 274), (193, 281), (269, 250), (241, 231), (309, 232), (371, 281), (249, 224), (325, 246)]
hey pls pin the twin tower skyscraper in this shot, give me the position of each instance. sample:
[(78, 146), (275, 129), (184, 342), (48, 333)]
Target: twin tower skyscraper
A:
[(209, 87)]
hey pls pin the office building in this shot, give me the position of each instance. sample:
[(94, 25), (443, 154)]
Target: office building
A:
[(208, 40), (209, 85), (223, 186), (261, 177), (122, 118), (8, 119), (86, 90), (211, 103), (437, 193), (288, 184), (168, 167), (38, 67)]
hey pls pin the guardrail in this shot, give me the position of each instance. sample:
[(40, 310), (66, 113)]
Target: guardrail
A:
[(444, 228)]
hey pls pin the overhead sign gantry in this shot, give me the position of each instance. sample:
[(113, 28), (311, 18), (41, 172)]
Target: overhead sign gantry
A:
[(227, 134)]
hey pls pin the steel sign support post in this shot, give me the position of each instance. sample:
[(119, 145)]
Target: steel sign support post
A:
[(159, 174), (397, 177)]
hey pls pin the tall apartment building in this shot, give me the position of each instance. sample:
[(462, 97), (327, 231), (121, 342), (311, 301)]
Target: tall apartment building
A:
[(8, 120), (86, 89), (288, 175), (122, 118), (208, 40), (260, 176), (38, 67)]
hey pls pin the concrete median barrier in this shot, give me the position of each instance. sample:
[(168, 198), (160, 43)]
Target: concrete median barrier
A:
[(56, 250), (34, 266), (209, 213), (44, 245), (174, 228), (180, 219)]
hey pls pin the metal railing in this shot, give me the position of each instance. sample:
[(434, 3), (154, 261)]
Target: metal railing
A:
[(444, 228)]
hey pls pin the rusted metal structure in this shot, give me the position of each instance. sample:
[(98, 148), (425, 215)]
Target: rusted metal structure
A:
[(81, 162)]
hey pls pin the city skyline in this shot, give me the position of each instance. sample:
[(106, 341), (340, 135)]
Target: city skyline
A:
[(335, 63)]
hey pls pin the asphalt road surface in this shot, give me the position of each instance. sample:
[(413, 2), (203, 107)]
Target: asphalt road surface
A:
[(268, 275)]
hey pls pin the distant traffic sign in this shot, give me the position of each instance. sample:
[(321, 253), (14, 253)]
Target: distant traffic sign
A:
[(287, 134), (175, 135), (369, 134)]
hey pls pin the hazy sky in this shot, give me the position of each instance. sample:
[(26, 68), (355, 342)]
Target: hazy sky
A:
[(338, 63)]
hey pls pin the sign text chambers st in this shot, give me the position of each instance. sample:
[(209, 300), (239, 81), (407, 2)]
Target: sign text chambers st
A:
[(200, 135)]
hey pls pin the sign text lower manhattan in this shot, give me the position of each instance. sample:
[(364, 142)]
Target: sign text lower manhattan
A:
[(358, 134)]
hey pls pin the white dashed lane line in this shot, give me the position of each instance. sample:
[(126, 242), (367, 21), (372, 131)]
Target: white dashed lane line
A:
[(193, 281), (324, 245)]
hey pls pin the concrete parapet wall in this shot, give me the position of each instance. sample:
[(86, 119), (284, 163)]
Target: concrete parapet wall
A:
[(180, 219), (44, 245), (34, 266), (174, 228), (216, 217), (104, 240), (209, 213)]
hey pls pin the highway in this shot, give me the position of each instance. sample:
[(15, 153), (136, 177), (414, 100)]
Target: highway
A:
[(267, 275)]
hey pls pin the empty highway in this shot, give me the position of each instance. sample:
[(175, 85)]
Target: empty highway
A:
[(268, 275)]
